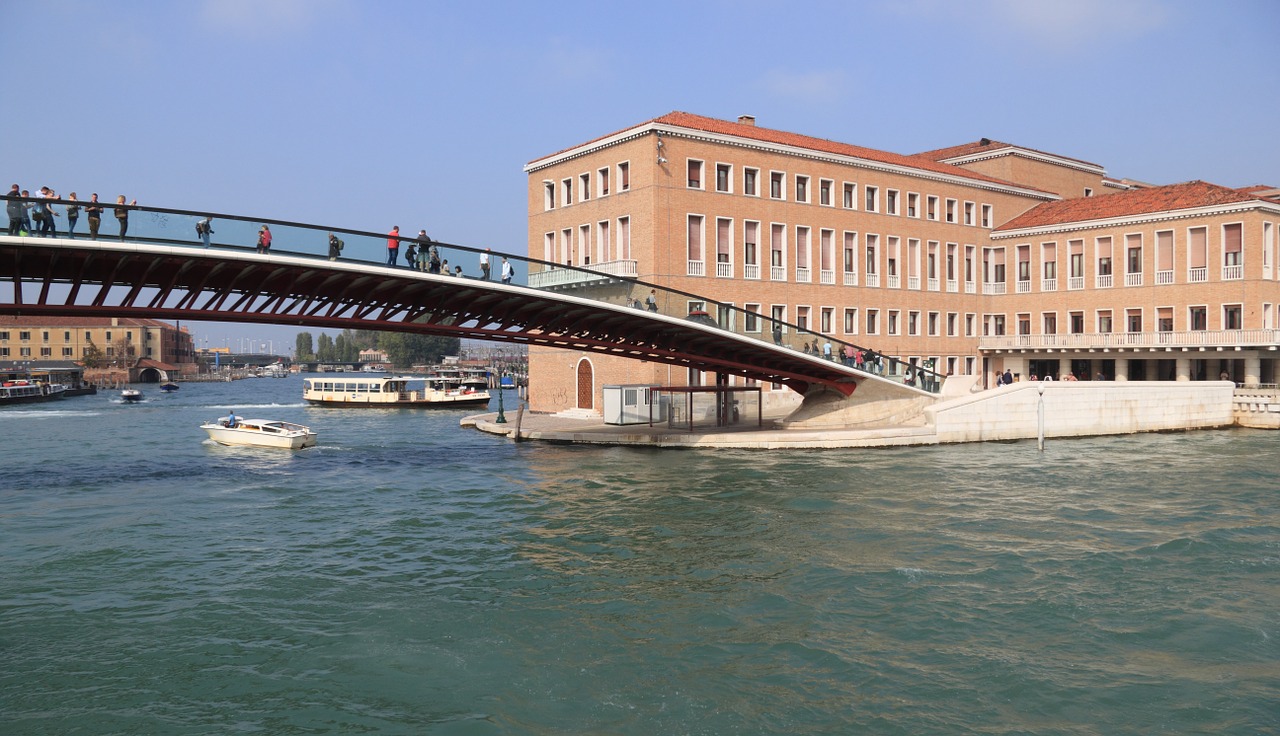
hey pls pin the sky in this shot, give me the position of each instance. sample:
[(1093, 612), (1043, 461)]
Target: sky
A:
[(366, 113)]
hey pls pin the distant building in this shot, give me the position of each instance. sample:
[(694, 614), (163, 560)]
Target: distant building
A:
[(119, 341), (978, 258)]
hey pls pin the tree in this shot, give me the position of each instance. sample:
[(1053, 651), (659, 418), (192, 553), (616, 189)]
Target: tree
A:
[(324, 349), (92, 356), (303, 349), (407, 349)]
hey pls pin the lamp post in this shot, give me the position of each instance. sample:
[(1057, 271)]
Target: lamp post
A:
[(502, 418)]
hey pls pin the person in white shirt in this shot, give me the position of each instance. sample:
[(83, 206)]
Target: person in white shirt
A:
[(508, 271), (484, 264)]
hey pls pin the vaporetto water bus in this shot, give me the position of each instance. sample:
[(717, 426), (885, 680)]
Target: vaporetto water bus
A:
[(453, 389)]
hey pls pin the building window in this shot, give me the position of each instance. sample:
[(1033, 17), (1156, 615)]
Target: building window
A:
[(25, 335), (602, 180), (695, 174), (549, 195), (46, 352), (1050, 322), (1232, 317), (749, 177), (969, 320), (802, 317), (913, 204), (1077, 323), (850, 195), (66, 336), (1104, 321), (968, 213), (567, 189), (933, 324), (851, 321), (1232, 242), (1088, 192), (802, 188), (4, 352), (825, 319), (777, 182), (751, 318), (724, 177), (892, 326), (824, 192), (26, 352), (1133, 320), (584, 186), (871, 199), (986, 215), (891, 201), (696, 265), (4, 335), (951, 210), (873, 321), (913, 323), (1198, 318), (624, 177), (931, 207)]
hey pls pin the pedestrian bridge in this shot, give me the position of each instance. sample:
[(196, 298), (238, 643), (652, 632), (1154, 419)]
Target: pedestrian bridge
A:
[(162, 270)]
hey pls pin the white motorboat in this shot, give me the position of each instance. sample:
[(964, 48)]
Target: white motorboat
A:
[(259, 433), (130, 395)]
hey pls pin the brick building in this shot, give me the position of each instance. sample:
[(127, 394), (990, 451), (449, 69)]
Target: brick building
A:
[(979, 257)]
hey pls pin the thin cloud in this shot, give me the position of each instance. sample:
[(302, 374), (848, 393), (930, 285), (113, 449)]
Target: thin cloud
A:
[(256, 17), (811, 86)]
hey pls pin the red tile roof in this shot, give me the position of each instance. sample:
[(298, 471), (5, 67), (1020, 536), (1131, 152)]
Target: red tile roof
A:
[(1188, 195), (985, 145), (823, 145)]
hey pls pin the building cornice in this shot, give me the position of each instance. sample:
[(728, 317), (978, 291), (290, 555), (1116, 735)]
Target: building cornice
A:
[(1026, 153), (1140, 219), (674, 131)]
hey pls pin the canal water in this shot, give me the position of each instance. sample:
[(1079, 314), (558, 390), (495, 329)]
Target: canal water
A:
[(408, 576)]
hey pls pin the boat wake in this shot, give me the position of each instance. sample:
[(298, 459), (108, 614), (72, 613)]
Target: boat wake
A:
[(241, 407), (37, 414)]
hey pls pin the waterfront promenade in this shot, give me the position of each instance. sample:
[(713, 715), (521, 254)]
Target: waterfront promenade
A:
[(965, 414)]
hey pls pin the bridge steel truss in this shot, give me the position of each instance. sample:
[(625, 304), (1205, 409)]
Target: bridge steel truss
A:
[(63, 277)]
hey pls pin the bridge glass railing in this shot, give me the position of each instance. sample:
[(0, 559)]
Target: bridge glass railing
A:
[(611, 282)]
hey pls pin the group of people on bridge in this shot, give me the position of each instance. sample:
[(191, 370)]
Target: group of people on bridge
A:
[(36, 215), (423, 254)]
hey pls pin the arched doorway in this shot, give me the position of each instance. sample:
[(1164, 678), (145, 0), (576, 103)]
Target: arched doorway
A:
[(586, 387)]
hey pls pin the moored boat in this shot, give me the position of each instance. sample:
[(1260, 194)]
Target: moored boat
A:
[(27, 392), (439, 390), (259, 433)]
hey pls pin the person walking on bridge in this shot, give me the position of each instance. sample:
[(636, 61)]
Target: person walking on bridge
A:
[(122, 214), (484, 264), (393, 245), (14, 209), (94, 211), (509, 272), (264, 240)]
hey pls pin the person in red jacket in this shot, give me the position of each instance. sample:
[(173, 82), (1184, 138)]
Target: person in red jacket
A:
[(393, 245), (264, 239)]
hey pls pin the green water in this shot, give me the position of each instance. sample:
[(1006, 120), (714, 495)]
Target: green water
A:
[(411, 577)]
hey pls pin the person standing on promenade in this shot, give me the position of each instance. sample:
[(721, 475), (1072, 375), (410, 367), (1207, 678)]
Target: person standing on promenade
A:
[(264, 240), (393, 245), (13, 207), (335, 247), (73, 215), (204, 228), (651, 301), (509, 271), (122, 214), (94, 211), (484, 264)]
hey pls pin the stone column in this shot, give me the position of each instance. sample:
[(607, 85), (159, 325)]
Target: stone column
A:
[(1252, 368), (1122, 369), (1184, 369)]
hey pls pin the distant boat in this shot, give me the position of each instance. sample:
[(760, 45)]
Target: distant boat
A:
[(259, 433), (443, 389), (169, 387), (131, 395), (27, 392)]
